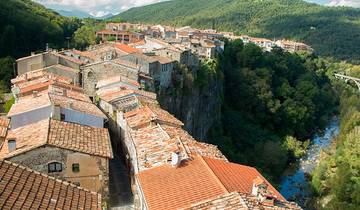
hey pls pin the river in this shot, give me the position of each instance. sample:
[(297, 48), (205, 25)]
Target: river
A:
[(294, 185)]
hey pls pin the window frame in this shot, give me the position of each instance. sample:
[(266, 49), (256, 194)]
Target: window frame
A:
[(75, 166), (55, 164)]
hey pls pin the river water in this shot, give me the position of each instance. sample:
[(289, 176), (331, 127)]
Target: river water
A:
[(294, 185)]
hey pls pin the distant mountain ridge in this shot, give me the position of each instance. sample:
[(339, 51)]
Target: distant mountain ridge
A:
[(331, 31), (80, 14)]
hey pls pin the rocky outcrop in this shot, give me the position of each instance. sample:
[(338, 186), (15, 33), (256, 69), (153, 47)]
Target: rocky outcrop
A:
[(198, 106)]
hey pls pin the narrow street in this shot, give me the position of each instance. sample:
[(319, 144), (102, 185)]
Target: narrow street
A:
[(119, 186)]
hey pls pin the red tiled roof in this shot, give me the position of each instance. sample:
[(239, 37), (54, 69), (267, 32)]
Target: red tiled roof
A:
[(94, 141), (23, 188), (236, 177), (81, 106), (126, 48), (198, 183), (85, 139), (4, 124), (167, 188)]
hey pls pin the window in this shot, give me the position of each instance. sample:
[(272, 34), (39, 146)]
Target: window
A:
[(62, 117), (54, 167), (76, 167), (11, 145)]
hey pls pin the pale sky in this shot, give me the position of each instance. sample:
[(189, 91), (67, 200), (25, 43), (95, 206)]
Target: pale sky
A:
[(104, 7)]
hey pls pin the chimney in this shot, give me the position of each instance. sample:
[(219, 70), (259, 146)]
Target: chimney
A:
[(11, 145), (175, 159), (35, 93), (26, 77)]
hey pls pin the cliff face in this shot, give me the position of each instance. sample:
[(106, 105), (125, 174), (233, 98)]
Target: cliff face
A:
[(197, 106)]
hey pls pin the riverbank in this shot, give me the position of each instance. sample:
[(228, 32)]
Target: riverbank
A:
[(295, 185)]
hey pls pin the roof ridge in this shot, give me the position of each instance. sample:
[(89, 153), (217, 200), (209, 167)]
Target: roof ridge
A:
[(213, 174), (47, 176)]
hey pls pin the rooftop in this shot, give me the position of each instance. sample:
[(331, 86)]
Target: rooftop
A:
[(4, 125), (79, 138), (81, 106), (29, 103), (23, 188), (167, 187), (116, 79), (126, 48)]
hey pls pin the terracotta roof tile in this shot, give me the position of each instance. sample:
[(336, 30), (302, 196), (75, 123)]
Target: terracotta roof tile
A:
[(27, 138), (81, 106), (192, 146), (236, 177), (240, 201), (29, 103), (23, 188), (167, 188), (117, 79), (126, 48), (4, 125), (89, 140), (94, 141)]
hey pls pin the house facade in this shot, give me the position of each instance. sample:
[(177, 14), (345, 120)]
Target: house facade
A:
[(71, 152)]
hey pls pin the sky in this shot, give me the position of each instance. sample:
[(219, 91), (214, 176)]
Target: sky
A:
[(100, 8)]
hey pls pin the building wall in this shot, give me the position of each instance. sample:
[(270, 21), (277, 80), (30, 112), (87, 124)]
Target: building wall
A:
[(93, 174), (68, 63), (50, 59), (145, 65), (82, 118), (30, 64), (75, 76), (96, 72), (30, 117), (165, 74)]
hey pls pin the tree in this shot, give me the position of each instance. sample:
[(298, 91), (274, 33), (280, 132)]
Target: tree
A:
[(8, 41)]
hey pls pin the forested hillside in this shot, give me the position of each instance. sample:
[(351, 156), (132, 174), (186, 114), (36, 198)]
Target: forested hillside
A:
[(273, 103), (331, 31), (336, 179), (25, 27)]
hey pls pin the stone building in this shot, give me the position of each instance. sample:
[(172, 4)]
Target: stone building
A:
[(125, 37), (75, 153), (56, 100), (24, 188), (44, 60), (95, 72)]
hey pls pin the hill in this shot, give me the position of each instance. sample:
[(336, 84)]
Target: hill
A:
[(26, 26), (331, 31)]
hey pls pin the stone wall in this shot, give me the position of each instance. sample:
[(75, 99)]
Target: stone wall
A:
[(93, 173), (29, 64), (95, 72)]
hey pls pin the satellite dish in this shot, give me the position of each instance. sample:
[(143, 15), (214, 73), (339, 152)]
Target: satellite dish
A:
[(175, 159)]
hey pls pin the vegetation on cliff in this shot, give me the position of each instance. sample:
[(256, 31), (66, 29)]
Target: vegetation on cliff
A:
[(273, 102), (331, 31), (336, 179)]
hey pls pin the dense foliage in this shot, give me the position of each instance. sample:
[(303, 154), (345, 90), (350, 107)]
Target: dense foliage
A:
[(330, 31), (336, 179), (86, 34), (273, 102), (26, 26)]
